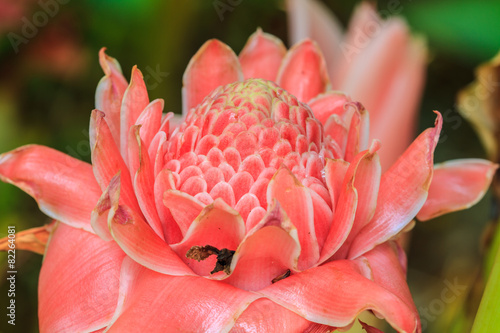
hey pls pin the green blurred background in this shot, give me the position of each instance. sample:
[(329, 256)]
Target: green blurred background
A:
[(47, 85)]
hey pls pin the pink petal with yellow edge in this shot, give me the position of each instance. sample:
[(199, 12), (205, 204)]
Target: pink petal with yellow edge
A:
[(107, 160), (262, 56), (344, 294), (150, 121), (403, 191), (135, 100), (214, 65), (328, 104), (303, 71), (267, 251), (109, 93), (264, 315), (457, 185), (366, 172), (163, 182), (296, 201), (92, 304), (183, 207), (312, 19), (143, 180), (388, 273), (55, 180), (140, 242), (174, 303), (218, 225), (401, 105)]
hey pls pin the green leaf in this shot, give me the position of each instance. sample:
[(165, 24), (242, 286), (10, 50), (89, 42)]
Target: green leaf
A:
[(466, 28)]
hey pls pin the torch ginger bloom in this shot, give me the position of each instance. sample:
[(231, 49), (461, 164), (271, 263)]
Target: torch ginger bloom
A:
[(258, 213)]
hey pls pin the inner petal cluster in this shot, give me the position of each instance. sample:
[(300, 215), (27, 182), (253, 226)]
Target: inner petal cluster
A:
[(232, 144)]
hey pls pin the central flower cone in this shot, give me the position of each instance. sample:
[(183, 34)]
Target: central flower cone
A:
[(232, 145)]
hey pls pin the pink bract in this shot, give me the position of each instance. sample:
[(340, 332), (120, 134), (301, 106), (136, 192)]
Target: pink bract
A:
[(265, 210)]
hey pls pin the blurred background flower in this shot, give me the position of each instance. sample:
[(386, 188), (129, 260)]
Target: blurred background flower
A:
[(49, 69)]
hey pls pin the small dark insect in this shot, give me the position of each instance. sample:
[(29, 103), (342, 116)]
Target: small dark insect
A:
[(282, 276)]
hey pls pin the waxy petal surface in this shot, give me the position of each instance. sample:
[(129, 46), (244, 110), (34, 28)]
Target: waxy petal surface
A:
[(214, 65), (303, 71), (218, 225), (55, 181), (296, 201), (135, 100), (336, 293), (191, 304), (264, 315), (457, 185), (92, 304), (262, 56), (403, 191), (140, 242), (109, 92)]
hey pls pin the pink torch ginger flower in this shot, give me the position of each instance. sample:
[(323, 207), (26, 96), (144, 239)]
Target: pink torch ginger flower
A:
[(265, 210)]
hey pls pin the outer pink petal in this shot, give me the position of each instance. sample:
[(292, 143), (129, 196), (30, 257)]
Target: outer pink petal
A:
[(328, 104), (218, 225), (312, 19), (150, 121), (262, 56), (135, 100), (107, 160), (336, 293), (109, 93), (387, 272), (335, 171), (457, 185), (78, 289), (268, 251), (264, 315), (403, 191), (214, 65), (303, 71), (143, 179), (365, 170), (345, 210), (183, 207), (55, 181), (140, 242), (153, 302), (163, 182), (263, 256), (296, 201)]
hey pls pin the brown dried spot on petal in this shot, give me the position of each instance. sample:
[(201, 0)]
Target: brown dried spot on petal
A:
[(34, 239), (224, 257), (281, 276)]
